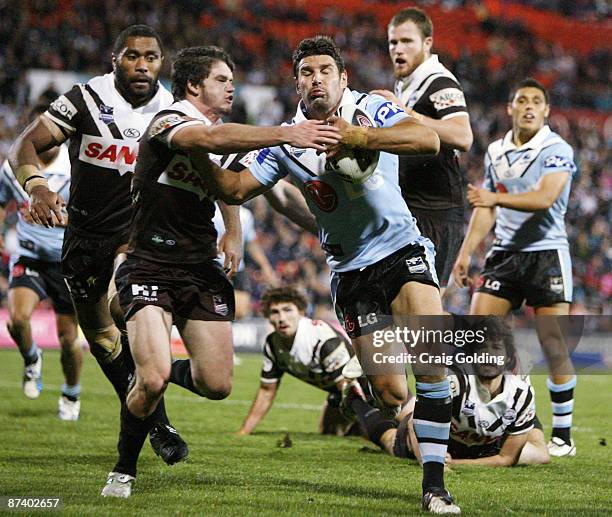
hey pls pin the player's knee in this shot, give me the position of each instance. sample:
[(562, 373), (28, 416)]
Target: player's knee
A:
[(217, 389), (153, 383), (104, 343), (19, 321), (67, 339)]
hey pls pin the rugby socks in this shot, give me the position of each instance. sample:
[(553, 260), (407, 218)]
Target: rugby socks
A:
[(31, 356), (71, 392), (432, 416), (132, 435), (372, 421), (180, 374), (562, 400)]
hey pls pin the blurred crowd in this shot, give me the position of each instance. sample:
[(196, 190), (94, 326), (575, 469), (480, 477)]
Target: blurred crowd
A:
[(78, 34)]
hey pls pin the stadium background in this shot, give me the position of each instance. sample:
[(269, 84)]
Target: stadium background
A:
[(488, 44)]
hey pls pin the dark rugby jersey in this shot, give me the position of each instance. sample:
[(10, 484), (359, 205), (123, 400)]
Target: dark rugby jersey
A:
[(173, 210), (432, 182), (104, 130)]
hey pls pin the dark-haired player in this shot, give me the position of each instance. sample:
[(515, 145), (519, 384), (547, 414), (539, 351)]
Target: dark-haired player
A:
[(170, 274), (528, 174), (310, 350), (35, 274), (381, 265), (103, 121), (493, 419), (432, 186)]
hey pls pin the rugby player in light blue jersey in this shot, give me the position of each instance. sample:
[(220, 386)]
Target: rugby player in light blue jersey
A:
[(528, 174), (35, 274), (381, 265)]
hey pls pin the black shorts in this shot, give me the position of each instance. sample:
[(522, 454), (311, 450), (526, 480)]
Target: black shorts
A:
[(445, 229), (540, 278), (87, 264), (45, 279), (188, 291), (363, 297), (240, 281)]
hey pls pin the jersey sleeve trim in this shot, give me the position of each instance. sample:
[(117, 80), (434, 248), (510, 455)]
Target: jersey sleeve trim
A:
[(455, 114), (176, 129), (59, 122)]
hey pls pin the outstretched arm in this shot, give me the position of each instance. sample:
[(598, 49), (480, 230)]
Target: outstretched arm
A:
[(261, 405), (508, 455)]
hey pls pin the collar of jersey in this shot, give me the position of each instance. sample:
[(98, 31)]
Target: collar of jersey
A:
[(536, 141), (193, 112), (107, 81), (427, 67), (347, 98)]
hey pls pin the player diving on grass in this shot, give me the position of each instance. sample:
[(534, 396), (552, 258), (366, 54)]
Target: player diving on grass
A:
[(528, 174), (308, 349), (171, 274), (381, 265)]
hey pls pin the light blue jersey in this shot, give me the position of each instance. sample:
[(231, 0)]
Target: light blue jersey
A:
[(35, 241), (359, 225), (518, 169)]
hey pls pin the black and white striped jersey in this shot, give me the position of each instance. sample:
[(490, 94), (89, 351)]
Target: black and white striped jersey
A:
[(317, 356), (479, 420), (104, 130), (432, 182)]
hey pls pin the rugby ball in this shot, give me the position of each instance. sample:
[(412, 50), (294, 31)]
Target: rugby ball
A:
[(354, 165)]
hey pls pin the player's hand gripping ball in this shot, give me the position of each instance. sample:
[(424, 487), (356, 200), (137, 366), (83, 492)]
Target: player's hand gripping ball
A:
[(354, 165)]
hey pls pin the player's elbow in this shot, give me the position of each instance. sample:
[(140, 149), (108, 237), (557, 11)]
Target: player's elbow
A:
[(232, 197), (464, 142)]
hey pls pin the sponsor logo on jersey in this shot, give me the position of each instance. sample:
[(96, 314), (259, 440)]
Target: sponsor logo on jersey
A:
[(106, 114), (558, 162), (64, 107), (385, 111), (296, 151), (500, 187), (416, 265), (447, 98), (180, 174), (322, 194), (349, 325), (131, 132), (366, 320), (219, 305), (483, 424), (165, 122), (108, 153), (146, 293)]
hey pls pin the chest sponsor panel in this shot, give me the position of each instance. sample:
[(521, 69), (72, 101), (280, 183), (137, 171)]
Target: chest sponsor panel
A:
[(181, 174), (119, 155)]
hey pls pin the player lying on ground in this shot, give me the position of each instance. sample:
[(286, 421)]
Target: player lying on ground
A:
[(171, 274), (528, 175), (493, 418), (310, 350), (35, 274), (381, 265)]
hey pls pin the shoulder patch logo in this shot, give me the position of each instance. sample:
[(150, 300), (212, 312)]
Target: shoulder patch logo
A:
[(165, 122), (558, 162), (63, 106), (447, 98)]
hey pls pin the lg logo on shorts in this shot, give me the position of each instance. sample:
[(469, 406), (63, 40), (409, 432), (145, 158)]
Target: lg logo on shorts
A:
[(145, 291), (494, 285), (368, 319)]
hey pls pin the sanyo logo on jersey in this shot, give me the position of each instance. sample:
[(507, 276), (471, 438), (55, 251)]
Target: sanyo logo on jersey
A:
[(107, 153), (145, 292)]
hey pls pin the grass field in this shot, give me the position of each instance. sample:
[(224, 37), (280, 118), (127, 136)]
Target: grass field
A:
[(232, 475)]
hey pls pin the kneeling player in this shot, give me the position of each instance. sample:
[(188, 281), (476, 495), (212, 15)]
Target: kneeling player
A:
[(493, 416), (310, 350)]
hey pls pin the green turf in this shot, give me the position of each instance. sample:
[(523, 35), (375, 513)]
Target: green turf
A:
[(234, 475)]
